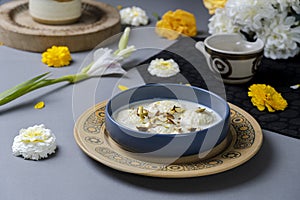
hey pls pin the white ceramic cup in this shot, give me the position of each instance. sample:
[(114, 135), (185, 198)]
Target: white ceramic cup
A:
[(55, 11), (231, 56)]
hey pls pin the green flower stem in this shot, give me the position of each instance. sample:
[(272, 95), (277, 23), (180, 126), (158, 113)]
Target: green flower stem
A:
[(36, 83), (42, 81), (26, 83)]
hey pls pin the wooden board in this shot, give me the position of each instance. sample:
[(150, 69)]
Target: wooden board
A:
[(98, 22)]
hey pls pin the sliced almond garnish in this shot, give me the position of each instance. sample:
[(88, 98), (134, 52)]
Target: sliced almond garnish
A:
[(200, 110), (170, 121), (141, 112), (176, 109), (141, 128), (170, 116), (192, 129)]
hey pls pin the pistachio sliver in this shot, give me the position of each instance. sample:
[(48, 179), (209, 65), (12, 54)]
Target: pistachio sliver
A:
[(179, 110), (200, 110), (176, 109)]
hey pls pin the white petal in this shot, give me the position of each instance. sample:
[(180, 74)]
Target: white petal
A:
[(295, 86), (127, 51), (112, 68), (105, 63)]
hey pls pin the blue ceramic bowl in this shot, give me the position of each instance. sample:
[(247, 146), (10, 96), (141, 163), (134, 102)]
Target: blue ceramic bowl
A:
[(168, 145)]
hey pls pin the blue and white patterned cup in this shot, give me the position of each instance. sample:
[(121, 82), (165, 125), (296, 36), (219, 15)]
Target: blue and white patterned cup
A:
[(232, 57)]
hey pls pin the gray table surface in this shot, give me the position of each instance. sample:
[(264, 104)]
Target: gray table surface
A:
[(71, 175)]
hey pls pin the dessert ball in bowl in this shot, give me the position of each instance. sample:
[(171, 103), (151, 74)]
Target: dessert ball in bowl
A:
[(167, 120)]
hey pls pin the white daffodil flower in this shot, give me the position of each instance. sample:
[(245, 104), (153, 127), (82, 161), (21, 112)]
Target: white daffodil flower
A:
[(34, 143)]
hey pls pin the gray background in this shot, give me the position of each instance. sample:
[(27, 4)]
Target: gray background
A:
[(71, 175)]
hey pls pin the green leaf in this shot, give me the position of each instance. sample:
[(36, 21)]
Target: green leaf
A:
[(20, 89), (17, 87)]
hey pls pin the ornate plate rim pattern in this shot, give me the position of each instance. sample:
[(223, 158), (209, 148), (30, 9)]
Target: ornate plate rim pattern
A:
[(91, 137)]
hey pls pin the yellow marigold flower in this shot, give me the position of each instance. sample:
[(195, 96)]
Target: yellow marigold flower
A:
[(175, 23), (263, 95), (212, 5), (57, 56)]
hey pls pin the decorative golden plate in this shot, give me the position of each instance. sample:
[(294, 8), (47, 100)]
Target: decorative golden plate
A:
[(91, 136)]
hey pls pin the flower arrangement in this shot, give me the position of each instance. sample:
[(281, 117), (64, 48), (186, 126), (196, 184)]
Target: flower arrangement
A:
[(105, 62), (276, 22), (176, 23)]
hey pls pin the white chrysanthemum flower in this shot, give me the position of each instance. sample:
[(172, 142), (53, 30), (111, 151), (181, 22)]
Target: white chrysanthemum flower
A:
[(281, 38), (163, 68), (134, 16), (221, 23), (34, 143), (272, 21), (250, 14), (284, 5)]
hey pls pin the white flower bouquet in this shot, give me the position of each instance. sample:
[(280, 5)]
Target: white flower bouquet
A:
[(276, 22)]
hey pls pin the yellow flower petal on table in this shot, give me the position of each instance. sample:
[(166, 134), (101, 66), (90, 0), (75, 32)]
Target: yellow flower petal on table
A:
[(175, 23), (265, 96), (122, 87), (1, 43), (57, 56), (39, 105), (212, 5)]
